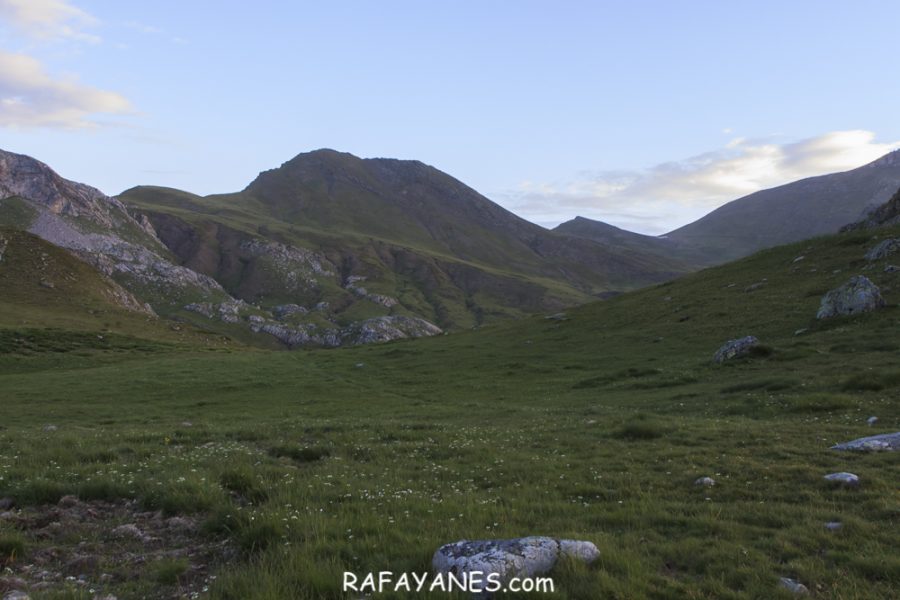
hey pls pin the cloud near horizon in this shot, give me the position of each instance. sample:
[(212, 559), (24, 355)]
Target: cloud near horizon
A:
[(29, 97), (671, 194)]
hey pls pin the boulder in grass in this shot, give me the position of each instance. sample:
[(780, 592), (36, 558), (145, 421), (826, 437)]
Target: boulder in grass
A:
[(503, 560), (857, 296), (883, 249), (735, 349), (843, 479), (795, 586), (873, 443)]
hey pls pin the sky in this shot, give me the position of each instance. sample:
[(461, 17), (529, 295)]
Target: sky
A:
[(642, 114)]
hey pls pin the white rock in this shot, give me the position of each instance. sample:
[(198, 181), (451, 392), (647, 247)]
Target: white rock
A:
[(586, 552), (128, 531), (520, 557), (735, 349), (847, 479), (793, 586), (874, 443), (707, 481)]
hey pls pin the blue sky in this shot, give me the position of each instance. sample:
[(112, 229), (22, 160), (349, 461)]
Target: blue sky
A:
[(643, 114)]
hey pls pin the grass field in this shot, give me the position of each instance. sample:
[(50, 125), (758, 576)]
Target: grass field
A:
[(593, 426)]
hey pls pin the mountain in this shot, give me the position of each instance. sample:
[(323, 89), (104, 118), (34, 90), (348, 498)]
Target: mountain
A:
[(96, 228), (792, 212), (596, 423), (345, 238), (611, 235)]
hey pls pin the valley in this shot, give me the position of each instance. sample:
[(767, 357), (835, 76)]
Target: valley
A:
[(309, 463)]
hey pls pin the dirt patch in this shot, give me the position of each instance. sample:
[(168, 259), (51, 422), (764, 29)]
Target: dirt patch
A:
[(109, 550)]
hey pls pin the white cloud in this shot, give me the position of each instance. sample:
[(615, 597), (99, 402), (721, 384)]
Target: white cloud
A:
[(48, 19), (29, 97), (671, 194)]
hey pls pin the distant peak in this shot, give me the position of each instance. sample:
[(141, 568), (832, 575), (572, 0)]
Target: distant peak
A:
[(322, 154)]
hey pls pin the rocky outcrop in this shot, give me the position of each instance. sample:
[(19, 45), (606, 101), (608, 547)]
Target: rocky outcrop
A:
[(285, 311), (883, 249), (735, 349), (858, 295), (307, 334), (122, 260), (296, 334), (297, 268), (385, 329), (227, 312), (28, 178), (370, 331), (881, 216), (350, 286), (499, 561), (100, 231), (873, 443)]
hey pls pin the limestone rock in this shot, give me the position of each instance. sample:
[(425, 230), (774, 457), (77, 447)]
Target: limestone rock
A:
[(507, 559), (128, 531), (872, 443), (283, 311), (883, 249), (31, 179), (735, 348), (858, 295), (350, 286), (385, 329), (844, 479), (794, 586), (705, 481)]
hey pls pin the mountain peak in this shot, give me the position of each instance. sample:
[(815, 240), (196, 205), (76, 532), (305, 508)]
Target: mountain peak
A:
[(27, 177)]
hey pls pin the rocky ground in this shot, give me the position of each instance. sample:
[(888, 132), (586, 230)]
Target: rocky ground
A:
[(107, 550)]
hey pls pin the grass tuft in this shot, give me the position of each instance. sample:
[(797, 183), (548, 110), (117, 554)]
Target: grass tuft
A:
[(169, 571), (12, 547), (306, 454)]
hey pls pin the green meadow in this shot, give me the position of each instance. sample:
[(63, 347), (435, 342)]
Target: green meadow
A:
[(591, 425)]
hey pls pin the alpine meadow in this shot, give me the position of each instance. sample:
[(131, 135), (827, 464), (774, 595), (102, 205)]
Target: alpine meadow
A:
[(348, 377)]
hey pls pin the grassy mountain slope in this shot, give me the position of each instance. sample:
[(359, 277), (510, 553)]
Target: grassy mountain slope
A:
[(592, 426), (52, 301), (796, 211), (611, 235), (416, 234)]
